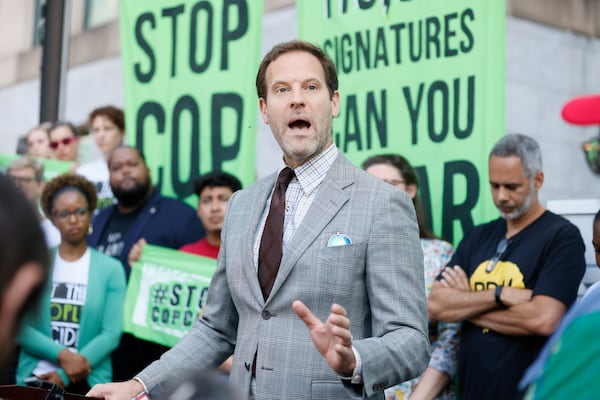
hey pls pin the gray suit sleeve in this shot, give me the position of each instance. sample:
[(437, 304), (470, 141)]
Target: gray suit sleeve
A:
[(399, 347)]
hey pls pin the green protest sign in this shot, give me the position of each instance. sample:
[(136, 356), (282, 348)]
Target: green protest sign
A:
[(52, 168), (189, 69), (166, 291), (425, 79)]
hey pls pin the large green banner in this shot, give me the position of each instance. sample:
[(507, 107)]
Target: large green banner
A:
[(423, 78), (167, 290), (190, 102)]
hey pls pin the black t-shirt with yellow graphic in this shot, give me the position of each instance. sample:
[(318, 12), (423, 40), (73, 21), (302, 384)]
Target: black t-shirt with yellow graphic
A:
[(547, 257)]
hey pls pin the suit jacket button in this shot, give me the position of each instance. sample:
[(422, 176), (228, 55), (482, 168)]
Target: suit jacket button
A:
[(265, 315)]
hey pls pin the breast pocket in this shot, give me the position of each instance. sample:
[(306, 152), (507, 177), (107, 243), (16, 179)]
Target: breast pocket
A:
[(350, 251)]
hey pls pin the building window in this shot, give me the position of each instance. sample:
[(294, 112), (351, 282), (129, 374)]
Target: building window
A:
[(99, 12)]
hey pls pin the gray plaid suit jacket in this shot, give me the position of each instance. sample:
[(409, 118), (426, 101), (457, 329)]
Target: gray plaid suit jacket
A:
[(378, 279)]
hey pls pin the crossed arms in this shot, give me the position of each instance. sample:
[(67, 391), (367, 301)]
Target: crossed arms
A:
[(452, 300)]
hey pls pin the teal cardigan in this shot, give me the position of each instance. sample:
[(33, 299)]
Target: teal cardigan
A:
[(100, 327)]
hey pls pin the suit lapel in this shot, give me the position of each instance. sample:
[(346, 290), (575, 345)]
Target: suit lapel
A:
[(330, 198), (258, 197)]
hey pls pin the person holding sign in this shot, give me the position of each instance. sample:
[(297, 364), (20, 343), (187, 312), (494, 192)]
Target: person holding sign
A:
[(69, 341), (214, 191), (436, 381), (140, 212), (511, 280), (319, 285)]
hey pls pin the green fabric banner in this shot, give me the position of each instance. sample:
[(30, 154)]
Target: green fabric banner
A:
[(166, 291), (189, 69), (425, 79), (52, 168)]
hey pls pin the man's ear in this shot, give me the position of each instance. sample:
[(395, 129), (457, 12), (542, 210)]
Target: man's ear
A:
[(335, 104), (538, 180), (262, 104)]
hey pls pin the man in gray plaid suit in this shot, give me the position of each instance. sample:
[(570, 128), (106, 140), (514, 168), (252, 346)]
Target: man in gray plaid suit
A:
[(346, 316)]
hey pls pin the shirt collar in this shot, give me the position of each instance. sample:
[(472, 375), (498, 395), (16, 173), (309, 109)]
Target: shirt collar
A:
[(311, 173)]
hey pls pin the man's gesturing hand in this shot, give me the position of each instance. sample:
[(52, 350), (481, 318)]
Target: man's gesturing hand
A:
[(331, 338)]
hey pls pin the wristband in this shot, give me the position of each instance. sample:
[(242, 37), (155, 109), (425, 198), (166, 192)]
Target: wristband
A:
[(497, 295)]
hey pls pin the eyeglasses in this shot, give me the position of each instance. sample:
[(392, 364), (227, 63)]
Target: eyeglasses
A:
[(500, 249), (63, 215), (21, 180), (65, 142)]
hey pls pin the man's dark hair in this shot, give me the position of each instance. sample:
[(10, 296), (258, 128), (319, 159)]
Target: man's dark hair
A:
[(216, 179), (331, 78), (21, 237)]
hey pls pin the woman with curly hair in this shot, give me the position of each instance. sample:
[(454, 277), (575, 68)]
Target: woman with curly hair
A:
[(79, 320)]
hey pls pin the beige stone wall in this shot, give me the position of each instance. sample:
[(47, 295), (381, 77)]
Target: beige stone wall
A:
[(20, 61), (579, 16)]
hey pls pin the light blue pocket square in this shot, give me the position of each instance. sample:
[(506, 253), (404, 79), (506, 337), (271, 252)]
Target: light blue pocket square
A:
[(339, 239)]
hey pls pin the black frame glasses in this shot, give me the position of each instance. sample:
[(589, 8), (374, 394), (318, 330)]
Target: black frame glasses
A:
[(500, 250)]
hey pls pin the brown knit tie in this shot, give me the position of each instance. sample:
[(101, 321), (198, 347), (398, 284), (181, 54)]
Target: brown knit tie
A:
[(271, 243)]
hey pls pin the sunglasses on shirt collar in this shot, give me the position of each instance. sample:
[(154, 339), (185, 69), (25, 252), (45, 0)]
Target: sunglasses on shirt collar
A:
[(500, 250)]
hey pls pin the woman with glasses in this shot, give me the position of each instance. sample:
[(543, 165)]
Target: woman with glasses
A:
[(79, 320), (436, 381)]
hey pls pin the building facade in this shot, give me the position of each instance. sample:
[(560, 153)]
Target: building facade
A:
[(552, 54)]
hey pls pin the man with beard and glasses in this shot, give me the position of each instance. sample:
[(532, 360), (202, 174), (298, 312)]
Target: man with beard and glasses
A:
[(140, 212), (511, 280)]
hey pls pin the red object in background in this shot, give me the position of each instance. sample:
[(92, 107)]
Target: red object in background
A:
[(583, 110)]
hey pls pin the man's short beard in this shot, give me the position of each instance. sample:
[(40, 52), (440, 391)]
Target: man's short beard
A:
[(522, 210), (133, 196)]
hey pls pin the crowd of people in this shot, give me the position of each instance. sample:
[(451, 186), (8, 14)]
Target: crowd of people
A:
[(329, 283)]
